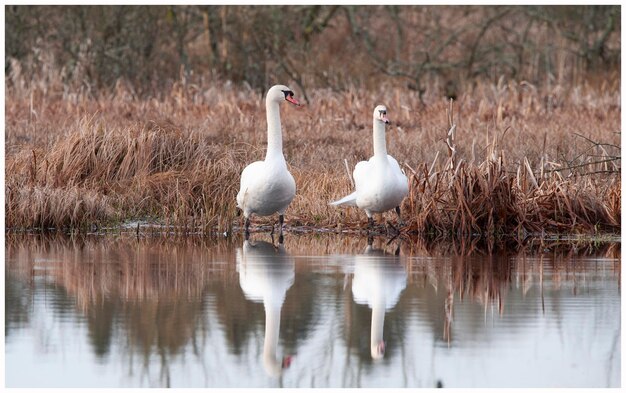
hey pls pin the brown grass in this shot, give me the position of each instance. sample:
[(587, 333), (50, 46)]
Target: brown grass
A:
[(529, 159)]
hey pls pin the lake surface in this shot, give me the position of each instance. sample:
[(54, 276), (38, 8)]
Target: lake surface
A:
[(317, 311)]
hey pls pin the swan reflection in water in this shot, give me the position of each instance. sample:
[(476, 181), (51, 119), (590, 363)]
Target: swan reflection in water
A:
[(266, 272), (379, 278)]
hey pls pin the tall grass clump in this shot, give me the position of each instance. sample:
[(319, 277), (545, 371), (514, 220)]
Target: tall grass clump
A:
[(99, 175), (495, 198), (488, 200)]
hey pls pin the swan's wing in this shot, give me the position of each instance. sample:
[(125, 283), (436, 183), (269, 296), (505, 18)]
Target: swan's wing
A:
[(362, 171), (394, 165), (360, 177), (349, 200), (399, 173), (248, 174)]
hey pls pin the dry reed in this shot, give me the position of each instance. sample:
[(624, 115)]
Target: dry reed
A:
[(527, 159)]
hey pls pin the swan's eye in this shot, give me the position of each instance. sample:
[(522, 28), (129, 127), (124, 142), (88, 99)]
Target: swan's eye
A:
[(382, 112), (287, 93)]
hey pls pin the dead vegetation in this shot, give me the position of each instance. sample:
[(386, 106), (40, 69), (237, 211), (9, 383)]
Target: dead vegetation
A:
[(525, 160)]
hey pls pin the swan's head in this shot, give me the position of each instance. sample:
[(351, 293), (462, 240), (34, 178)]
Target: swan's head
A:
[(378, 350), (280, 93), (380, 114)]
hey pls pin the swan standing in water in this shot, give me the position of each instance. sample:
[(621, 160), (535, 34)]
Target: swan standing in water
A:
[(380, 184), (266, 273), (379, 279), (267, 187)]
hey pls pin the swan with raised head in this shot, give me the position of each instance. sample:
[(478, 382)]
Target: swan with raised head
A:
[(266, 186), (379, 279), (379, 183), (266, 272)]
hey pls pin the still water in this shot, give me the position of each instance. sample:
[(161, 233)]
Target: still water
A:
[(316, 311)]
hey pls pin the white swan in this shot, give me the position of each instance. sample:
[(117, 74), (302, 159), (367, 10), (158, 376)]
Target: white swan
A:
[(379, 279), (266, 273), (380, 184), (267, 187)]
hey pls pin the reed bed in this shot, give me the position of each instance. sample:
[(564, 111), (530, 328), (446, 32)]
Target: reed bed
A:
[(523, 159)]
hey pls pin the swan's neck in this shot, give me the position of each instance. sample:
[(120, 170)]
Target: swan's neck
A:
[(380, 146), (378, 322), (270, 344), (274, 133)]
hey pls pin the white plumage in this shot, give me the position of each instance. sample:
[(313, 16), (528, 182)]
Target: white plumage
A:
[(266, 273), (380, 184), (379, 279), (267, 187)]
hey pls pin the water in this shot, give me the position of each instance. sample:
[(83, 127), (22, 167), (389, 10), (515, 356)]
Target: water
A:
[(318, 311)]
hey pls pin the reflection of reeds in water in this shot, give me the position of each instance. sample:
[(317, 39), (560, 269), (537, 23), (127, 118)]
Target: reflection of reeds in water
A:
[(123, 267), (134, 269), (156, 290), (485, 279)]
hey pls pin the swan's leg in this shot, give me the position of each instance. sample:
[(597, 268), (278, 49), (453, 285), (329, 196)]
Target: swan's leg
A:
[(370, 221), (370, 240), (247, 228), (281, 220), (400, 223)]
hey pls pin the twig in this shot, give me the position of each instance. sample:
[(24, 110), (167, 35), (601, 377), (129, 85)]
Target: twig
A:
[(345, 161), (597, 143), (583, 165)]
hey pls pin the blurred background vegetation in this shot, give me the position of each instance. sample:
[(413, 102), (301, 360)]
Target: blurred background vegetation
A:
[(434, 49)]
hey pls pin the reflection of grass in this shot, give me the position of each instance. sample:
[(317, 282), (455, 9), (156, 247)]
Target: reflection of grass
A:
[(153, 291), (82, 160), (159, 292)]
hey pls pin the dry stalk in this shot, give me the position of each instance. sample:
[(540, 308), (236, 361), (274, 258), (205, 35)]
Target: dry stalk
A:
[(451, 135)]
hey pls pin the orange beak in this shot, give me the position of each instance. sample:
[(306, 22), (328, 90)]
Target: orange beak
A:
[(292, 100)]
